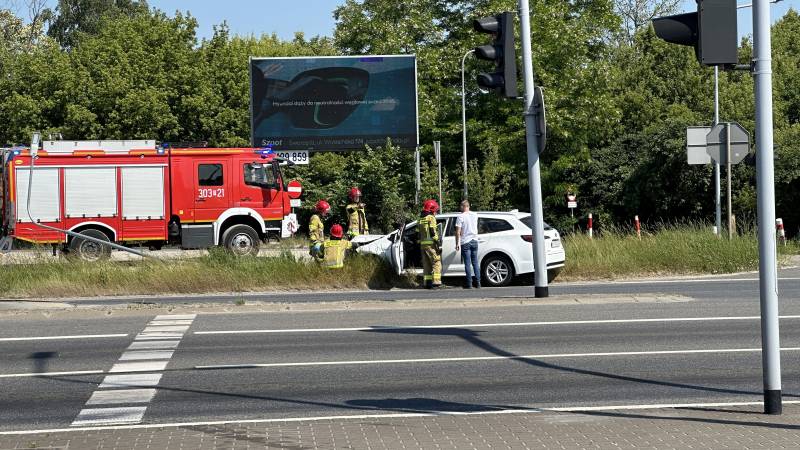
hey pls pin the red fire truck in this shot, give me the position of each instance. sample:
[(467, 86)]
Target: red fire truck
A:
[(136, 192)]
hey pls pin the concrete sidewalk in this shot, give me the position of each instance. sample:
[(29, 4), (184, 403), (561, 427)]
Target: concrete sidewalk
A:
[(740, 427)]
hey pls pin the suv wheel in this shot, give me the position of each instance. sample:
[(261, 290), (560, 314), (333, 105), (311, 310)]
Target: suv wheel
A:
[(241, 240), (497, 270)]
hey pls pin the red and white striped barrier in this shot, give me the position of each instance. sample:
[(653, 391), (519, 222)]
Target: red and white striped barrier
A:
[(590, 225), (781, 231), (638, 227)]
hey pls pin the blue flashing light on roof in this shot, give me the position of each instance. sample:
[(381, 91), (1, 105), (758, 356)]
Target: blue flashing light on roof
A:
[(160, 149)]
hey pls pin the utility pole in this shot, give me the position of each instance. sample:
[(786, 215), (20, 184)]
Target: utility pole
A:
[(717, 199), (464, 119), (765, 182), (534, 171)]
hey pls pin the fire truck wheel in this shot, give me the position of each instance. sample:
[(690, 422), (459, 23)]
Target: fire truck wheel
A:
[(241, 240), (89, 250)]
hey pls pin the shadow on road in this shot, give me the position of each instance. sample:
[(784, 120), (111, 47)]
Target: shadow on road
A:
[(473, 337)]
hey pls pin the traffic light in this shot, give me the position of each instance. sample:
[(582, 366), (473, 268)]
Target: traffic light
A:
[(501, 51), (711, 31)]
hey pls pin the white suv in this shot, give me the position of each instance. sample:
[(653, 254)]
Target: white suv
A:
[(504, 247)]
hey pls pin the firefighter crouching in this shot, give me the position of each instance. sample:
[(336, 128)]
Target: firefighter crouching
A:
[(316, 230), (336, 248), (356, 215), (430, 245)]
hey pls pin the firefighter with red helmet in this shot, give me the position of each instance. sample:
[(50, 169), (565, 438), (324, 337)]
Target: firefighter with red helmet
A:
[(430, 245), (336, 248), (316, 229), (356, 214)]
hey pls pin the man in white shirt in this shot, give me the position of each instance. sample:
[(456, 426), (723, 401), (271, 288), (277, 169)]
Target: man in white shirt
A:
[(467, 242)]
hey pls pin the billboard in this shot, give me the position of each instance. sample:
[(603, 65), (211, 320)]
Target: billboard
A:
[(333, 103)]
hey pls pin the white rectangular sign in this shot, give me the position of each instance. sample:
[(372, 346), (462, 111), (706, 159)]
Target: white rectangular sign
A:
[(696, 145), (295, 156)]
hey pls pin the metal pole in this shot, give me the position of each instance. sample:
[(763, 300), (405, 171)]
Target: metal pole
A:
[(417, 171), (534, 174), (464, 119), (717, 199), (728, 161), (765, 183), (437, 147)]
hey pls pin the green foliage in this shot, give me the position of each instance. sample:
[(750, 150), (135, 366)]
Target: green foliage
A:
[(617, 103)]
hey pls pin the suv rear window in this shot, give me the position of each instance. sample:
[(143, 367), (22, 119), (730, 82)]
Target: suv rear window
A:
[(487, 225), (527, 222)]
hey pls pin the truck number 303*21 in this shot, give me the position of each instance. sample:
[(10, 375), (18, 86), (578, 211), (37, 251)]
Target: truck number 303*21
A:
[(211, 193)]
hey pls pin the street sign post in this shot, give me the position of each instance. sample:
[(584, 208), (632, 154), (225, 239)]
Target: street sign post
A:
[(696, 145), (728, 143), (572, 203), (437, 149)]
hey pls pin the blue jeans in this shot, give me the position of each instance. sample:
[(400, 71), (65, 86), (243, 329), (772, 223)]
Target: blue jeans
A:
[(469, 254)]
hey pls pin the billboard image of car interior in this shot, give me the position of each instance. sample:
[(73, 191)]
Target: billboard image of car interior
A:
[(333, 103)]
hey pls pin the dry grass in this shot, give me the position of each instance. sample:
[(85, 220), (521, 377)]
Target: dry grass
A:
[(217, 272), (674, 250)]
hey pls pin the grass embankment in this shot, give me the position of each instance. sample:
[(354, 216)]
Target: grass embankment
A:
[(216, 272), (684, 250)]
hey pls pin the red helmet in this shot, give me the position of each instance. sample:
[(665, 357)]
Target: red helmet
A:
[(323, 207), (337, 231), (354, 192), (430, 206)]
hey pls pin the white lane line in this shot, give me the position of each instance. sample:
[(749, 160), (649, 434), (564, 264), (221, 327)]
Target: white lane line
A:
[(132, 360), (690, 280), (52, 374), (492, 325), (138, 355), (130, 380), (55, 338), (487, 358), (120, 396), (153, 345), (100, 416), (520, 410)]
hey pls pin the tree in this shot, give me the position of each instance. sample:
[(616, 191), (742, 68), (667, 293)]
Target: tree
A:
[(637, 14), (87, 16)]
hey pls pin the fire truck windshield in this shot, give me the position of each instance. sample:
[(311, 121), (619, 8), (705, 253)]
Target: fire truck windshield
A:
[(257, 174)]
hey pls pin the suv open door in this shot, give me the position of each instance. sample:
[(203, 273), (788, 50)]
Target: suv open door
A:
[(397, 251)]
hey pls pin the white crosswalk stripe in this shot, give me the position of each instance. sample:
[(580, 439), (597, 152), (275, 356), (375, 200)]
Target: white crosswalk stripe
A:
[(149, 353)]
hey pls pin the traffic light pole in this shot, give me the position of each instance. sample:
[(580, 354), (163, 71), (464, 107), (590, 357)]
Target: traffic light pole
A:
[(464, 119), (765, 182), (717, 190), (534, 173)]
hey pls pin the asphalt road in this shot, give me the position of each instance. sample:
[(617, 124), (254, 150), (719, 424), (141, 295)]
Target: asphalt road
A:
[(483, 357)]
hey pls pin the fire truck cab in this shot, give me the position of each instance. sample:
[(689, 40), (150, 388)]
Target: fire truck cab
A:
[(137, 192)]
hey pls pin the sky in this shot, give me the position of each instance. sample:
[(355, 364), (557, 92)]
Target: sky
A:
[(315, 17), (282, 17)]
